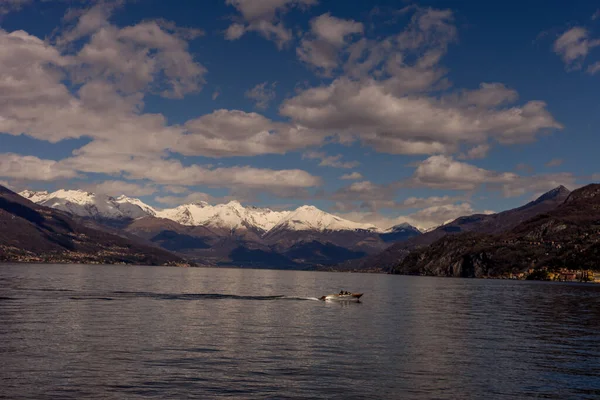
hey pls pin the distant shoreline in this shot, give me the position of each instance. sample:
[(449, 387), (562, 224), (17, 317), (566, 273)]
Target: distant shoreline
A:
[(5, 263)]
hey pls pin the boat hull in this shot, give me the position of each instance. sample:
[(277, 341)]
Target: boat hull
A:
[(352, 297)]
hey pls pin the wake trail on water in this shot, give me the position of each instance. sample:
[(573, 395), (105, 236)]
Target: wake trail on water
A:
[(197, 296), (128, 295), (299, 298)]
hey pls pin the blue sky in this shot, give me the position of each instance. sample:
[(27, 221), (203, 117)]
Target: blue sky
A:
[(380, 112)]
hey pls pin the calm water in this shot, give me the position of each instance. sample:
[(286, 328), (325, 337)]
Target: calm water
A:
[(131, 332)]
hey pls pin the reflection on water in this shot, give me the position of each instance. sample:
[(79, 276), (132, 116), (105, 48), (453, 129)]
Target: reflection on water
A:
[(126, 332)]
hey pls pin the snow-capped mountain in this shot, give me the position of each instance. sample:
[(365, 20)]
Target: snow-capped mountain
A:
[(403, 227), (126, 203), (36, 197), (232, 216), (230, 233), (91, 205), (310, 218), (400, 232)]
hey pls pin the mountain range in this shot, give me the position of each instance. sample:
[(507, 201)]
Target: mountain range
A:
[(231, 216), (308, 238), (231, 234)]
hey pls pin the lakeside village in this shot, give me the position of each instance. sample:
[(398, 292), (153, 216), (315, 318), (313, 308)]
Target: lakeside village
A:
[(116, 256), (561, 275), (546, 273)]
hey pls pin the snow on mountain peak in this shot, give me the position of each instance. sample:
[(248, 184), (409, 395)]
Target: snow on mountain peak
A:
[(402, 227), (231, 216), (74, 196), (128, 206), (34, 196), (309, 209), (88, 204), (200, 204), (311, 218)]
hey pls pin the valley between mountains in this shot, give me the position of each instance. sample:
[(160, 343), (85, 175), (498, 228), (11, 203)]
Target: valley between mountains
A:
[(550, 231)]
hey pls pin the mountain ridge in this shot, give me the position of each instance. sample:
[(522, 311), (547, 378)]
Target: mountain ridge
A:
[(34, 233), (566, 237), (229, 233), (484, 223), (231, 215)]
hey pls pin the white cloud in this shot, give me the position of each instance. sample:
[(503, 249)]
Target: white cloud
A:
[(334, 30), (436, 215), (194, 197), (421, 202), (92, 79), (253, 10), (353, 176), (441, 172), (262, 94), (377, 219), (264, 17), (35, 100), (411, 202), (30, 87), (117, 71), (488, 95), (444, 172), (329, 161), (388, 98), (365, 195), (479, 151), (149, 55), (172, 172), (328, 36), (82, 22), (574, 45), (117, 188), (116, 66), (237, 133), (175, 189), (592, 69), (537, 184), (423, 219), (32, 168), (410, 124), (424, 40), (235, 31), (135, 57)]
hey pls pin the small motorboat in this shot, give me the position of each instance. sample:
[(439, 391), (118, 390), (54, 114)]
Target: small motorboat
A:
[(342, 296)]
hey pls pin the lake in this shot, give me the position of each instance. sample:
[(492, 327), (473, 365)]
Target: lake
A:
[(77, 331)]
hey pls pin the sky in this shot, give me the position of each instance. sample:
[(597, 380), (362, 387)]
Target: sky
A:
[(381, 112)]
